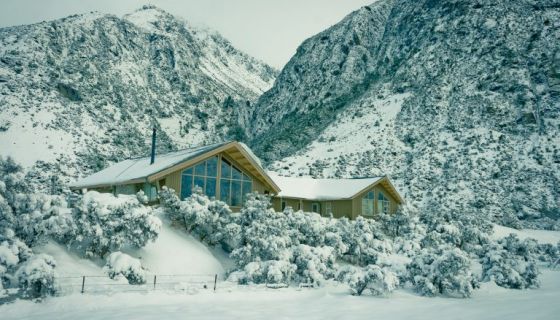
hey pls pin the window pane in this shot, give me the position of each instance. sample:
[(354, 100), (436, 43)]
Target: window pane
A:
[(235, 193), (186, 186), (200, 169), (199, 182), (246, 177), (225, 191), (247, 188), (371, 195), (212, 167), (235, 173), (211, 187), (367, 206), (226, 169), (188, 171), (381, 196)]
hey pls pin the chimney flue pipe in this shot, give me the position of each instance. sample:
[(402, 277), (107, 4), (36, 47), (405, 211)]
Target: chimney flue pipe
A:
[(153, 159)]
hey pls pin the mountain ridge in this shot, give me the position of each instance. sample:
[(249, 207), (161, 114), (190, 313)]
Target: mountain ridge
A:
[(85, 90)]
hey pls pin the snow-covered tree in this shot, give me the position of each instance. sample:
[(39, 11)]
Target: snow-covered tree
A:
[(442, 271), (106, 223), (511, 263), (121, 264)]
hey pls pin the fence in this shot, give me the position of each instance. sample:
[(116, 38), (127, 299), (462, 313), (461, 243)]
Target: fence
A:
[(163, 282)]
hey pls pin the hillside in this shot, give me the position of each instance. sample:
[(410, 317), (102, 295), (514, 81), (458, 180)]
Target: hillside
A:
[(84, 91), (459, 101)]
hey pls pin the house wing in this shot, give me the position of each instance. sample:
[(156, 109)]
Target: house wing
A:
[(234, 150), (140, 170), (387, 184)]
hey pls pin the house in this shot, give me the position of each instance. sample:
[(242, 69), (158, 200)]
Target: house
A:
[(228, 171), (349, 198)]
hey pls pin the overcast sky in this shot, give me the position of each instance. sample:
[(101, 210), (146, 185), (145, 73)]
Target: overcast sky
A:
[(270, 30)]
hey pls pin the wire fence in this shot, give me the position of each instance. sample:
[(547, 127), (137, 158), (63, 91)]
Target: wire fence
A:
[(102, 284)]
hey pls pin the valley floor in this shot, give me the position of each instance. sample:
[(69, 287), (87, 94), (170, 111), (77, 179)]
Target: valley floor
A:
[(490, 302)]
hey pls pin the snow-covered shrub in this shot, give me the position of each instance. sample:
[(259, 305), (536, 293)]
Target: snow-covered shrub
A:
[(314, 264), (13, 252), (511, 263), (210, 220), (121, 264), (400, 223), (37, 277), (106, 223), (371, 279), (270, 271), (265, 235), (33, 217), (364, 239), (445, 271), (464, 229), (549, 253)]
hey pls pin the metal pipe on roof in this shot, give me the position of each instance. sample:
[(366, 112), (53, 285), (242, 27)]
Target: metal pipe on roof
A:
[(153, 158)]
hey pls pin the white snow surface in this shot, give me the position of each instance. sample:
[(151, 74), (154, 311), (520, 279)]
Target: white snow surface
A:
[(320, 189), (176, 252), (542, 236), (329, 302), (173, 253), (140, 167)]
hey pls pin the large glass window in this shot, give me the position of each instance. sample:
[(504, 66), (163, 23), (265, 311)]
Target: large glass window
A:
[(382, 203), (202, 175), (234, 184), (367, 204)]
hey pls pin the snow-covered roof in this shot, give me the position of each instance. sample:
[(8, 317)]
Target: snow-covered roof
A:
[(320, 189), (140, 168)]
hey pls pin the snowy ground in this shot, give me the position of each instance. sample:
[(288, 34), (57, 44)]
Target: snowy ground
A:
[(175, 252), (490, 302), (542, 236)]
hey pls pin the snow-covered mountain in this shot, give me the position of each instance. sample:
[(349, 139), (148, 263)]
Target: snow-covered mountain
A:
[(459, 101), (82, 91)]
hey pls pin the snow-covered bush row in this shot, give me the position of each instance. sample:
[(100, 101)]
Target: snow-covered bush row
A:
[(371, 279), (121, 264), (511, 263), (433, 252), (98, 224), (272, 247), (105, 223), (442, 271)]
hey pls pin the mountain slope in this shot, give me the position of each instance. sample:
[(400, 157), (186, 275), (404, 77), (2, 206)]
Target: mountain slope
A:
[(82, 91), (459, 101)]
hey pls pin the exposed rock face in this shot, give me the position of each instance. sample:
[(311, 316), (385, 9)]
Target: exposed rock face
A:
[(83, 91), (457, 100)]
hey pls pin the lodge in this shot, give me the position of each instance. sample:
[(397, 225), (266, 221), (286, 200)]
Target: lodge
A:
[(229, 171)]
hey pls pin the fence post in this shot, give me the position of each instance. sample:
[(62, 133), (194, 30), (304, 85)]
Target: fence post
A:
[(215, 281), (154, 282), (83, 283)]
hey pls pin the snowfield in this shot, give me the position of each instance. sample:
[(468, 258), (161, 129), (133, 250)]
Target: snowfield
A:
[(331, 302)]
